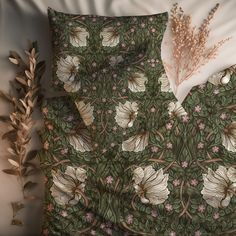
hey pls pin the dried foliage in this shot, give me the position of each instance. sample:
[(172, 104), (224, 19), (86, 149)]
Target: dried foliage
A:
[(24, 100), (189, 49)]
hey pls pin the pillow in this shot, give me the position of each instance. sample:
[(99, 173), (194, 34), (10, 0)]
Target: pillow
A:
[(121, 155), (96, 139)]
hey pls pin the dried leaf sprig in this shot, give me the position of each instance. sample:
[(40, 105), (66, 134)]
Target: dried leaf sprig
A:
[(189, 49), (24, 100)]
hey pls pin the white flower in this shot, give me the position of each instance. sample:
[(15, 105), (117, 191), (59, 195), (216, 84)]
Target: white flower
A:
[(136, 83), (165, 84), (231, 173), (67, 68), (86, 112), (78, 37), (218, 187), (175, 109), (229, 137), (151, 185), (110, 37), (136, 143), (72, 87), (68, 187), (81, 141), (116, 60), (126, 114), (221, 77)]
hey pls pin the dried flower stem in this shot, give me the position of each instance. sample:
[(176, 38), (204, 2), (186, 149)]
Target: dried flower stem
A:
[(189, 49), (26, 98)]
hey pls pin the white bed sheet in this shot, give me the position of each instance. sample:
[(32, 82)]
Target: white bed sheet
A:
[(21, 20)]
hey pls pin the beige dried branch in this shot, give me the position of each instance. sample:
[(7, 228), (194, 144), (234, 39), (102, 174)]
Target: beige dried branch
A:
[(189, 50), (24, 101)]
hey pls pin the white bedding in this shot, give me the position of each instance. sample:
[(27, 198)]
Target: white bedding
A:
[(21, 20)]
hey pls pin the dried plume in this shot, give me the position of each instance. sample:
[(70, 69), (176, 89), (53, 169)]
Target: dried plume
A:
[(189, 50), (24, 99)]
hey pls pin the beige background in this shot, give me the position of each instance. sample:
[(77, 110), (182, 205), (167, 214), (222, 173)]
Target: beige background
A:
[(21, 20)]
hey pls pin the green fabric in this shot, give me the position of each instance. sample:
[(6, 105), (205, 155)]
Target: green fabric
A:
[(121, 156)]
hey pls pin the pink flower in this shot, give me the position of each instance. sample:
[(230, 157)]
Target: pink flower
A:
[(129, 219), (64, 213), (169, 145), (185, 118), (197, 108), (45, 179), (46, 145), (50, 126), (216, 216), (70, 118), (142, 25), (132, 30), (176, 182), (109, 231), (109, 179), (216, 91), (201, 208), (172, 233), (215, 149), (202, 86), (89, 217), (102, 226), (93, 232), (153, 30), (45, 110), (184, 164), (64, 151), (223, 116), (154, 213), (169, 126), (45, 232), (201, 126), (153, 109), (194, 182), (50, 207), (198, 233), (154, 149), (200, 145), (168, 207)]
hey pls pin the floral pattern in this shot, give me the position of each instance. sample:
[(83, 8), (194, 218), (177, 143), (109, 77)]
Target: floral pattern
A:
[(78, 37), (110, 37), (152, 165), (68, 187), (219, 186), (151, 185), (126, 114)]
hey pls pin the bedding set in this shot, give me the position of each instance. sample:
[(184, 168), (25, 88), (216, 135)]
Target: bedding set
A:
[(120, 154)]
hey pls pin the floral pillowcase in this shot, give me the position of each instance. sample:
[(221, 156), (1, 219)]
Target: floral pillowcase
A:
[(103, 64)]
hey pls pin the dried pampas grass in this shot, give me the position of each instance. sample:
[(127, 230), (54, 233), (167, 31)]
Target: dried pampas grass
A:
[(189, 44)]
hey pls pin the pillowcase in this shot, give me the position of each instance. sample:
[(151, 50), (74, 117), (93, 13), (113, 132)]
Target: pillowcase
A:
[(108, 67)]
